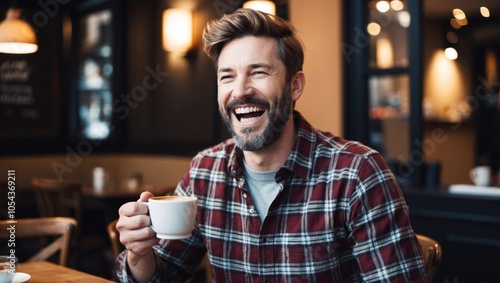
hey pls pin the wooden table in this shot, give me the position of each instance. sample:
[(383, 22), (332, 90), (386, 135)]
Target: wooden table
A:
[(43, 272)]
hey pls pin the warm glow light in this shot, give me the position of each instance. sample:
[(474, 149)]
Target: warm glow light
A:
[(373, 29), (382, 6), (462, 22), (404, 19), (177, 30), (491, 66), (459, 14), (263, 6), (16, 35), (451, 37), (444, 84), (397, 5), (485, 12), (385, 53), (451, 53), (454, 23)]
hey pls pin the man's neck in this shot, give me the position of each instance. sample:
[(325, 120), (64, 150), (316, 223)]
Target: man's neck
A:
[(276, 154)]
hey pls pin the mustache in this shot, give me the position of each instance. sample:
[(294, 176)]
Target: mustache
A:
[(247, 100)]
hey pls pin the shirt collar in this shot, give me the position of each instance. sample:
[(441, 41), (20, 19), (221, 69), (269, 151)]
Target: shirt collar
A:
[(299, 161)]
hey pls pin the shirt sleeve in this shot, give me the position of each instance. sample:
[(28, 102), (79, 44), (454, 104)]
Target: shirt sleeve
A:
[(176, 261), (383, 242)]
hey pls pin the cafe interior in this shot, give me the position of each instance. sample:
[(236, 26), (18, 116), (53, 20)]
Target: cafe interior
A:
[(115, 97)]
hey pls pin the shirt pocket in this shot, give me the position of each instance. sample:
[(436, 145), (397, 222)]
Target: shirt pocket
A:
[(317, 252)]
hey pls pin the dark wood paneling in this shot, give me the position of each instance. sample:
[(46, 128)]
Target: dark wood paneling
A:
[(467, 228)]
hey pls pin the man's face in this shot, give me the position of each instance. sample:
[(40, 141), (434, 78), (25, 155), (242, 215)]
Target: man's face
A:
[(253, 95)]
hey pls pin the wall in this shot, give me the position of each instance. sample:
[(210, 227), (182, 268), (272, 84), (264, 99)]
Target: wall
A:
[(156, 170), (447, 85), (320, 28)]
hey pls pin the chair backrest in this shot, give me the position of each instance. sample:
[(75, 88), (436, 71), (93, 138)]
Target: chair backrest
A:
[(58, 198), (114, 238), (60, 227), (432, 253)]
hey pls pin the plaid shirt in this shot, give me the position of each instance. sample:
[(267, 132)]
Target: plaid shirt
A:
[(339, 217)]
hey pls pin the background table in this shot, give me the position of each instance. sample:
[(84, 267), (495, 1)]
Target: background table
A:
[(122, 192), (43, 272)]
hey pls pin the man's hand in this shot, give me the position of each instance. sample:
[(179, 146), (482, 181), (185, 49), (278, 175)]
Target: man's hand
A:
[(134, 226), (138, 237)]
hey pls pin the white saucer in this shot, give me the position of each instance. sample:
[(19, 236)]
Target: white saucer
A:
[(21, 277)]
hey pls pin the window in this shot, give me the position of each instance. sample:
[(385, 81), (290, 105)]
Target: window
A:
[(383, 82), (95, 71)]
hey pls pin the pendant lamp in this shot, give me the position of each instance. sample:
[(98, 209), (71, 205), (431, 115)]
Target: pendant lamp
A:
[(16, 35)]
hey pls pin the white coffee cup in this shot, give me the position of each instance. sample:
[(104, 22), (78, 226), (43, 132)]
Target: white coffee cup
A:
[(481, 175), (172, 217), (7, 268)]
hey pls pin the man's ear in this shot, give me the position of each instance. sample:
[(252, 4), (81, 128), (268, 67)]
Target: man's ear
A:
[(297, 85)]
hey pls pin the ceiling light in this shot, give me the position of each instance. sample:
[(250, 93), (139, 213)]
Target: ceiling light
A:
[(397, 5), (404, 19), (16, 35), (373, 29), (484, 12), (382, 6), (459, 14), (451, 53)]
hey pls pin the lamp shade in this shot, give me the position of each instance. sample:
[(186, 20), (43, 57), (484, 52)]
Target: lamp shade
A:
[(177, 30), (16, 35)]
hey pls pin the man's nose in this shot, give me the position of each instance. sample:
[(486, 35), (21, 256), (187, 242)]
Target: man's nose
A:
[(242, 88)]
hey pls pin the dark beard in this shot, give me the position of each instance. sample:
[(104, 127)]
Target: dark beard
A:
[(278, 116)]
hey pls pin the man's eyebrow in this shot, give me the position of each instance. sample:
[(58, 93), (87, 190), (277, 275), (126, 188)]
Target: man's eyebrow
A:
[(260, 65), (251, 67), (224, 70)]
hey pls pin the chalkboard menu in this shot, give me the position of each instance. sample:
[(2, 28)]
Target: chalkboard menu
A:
[(30, 87)]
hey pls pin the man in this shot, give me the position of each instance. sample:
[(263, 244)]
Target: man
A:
[(281, 201)]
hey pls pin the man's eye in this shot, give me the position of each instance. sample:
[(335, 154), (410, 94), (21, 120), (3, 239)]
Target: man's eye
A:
[(226, 77), (259, 73)]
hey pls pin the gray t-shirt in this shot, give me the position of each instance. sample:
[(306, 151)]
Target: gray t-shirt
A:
[(262, 187)]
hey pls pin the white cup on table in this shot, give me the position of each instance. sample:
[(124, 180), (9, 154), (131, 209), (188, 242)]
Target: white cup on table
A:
[(481, 175)]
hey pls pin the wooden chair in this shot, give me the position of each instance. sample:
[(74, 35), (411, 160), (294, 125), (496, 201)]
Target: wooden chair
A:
[(58, 198), (432, 253), (60, 227), (64, 199), (117, 247), (114, 237)]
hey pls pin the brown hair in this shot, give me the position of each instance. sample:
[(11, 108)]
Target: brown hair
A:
[(244, 22)]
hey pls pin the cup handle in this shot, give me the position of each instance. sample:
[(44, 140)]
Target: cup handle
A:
[(151, 225), (472, 175)]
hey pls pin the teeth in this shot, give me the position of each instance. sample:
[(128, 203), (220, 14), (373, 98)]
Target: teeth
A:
[(248, 120), (246, 110)]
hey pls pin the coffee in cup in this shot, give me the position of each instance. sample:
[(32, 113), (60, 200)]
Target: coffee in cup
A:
[(172, 217)]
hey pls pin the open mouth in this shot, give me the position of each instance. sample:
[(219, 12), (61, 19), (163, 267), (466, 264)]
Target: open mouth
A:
[(249, 114)]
